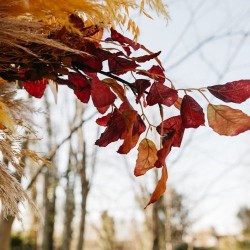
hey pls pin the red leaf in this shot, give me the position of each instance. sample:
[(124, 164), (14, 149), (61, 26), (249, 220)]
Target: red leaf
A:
[(227, 121), (35, 88), (160, 187), (161, 94), (236, 92), (103, 110), (145, 58), (80, 86), (101, 94), (103, 55), (129, 117), (76, 21), (155, 72), (98, 53), (86, 63), (125, 106), (172, 128), (163, 152), (191, 113), (139, 126), (120, 65), (103, 121), (115, 128), (116, 36), (141, 85), (147, 156)]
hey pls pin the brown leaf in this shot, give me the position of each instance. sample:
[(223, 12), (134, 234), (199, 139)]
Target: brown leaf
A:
[(160, 187), (147, 156), (118, 89), (227, 121)]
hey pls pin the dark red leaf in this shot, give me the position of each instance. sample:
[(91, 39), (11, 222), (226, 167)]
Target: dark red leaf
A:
[(103, 121), (236, 92), (101, 94), (145, 58), (191, 113), (115, 128), (81, 87), (141, 85), (161, 94), (155, 72), (120, 65), (125, 106), (35, 88), (87, 63), (76, 21), (103, 110), (163, 152), (129, 117), (139, 126), (99, 53), (104, 55), (172, 128), (127, 50), (116, 36)]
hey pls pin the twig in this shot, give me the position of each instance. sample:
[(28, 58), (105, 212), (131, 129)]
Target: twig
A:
[(53, 152)]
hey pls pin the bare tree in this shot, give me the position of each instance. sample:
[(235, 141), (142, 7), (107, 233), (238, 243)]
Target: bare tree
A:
[(82, 171), (49, 190), (107, 232), (69, 203)]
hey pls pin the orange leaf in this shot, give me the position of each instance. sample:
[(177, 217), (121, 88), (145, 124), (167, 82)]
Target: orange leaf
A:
[(160, 187), (147, 156), (227, 121), (129, 117)]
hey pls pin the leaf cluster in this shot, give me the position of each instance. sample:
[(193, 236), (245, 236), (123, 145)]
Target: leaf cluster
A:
[(79, 64)]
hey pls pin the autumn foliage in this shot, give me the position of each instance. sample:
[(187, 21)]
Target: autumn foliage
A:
[(96, 69)]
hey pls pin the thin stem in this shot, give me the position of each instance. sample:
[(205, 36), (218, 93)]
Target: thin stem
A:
[(132, 87), (200, 91)]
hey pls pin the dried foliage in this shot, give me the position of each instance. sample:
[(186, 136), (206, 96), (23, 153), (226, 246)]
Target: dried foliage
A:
[(14, 121), (64, 44)]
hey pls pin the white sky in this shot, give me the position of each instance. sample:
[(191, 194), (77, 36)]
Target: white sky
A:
[(206, 42), (213, 39)]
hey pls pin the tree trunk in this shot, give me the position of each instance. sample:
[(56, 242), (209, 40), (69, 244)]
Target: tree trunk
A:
[(85, 191), (49, 192), (84, 181), (69, 205), (49, 211), (83, 217), (35, 221)]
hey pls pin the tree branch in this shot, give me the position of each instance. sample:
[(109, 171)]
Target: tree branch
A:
[(53, 152)]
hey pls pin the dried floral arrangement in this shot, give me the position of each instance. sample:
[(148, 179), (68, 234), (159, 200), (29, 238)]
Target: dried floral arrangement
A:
[(42, 42)]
